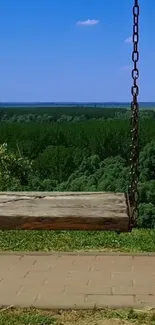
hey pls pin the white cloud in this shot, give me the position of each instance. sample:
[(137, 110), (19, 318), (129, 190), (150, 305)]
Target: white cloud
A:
[(128, 40), (88, 22), (126, 68)]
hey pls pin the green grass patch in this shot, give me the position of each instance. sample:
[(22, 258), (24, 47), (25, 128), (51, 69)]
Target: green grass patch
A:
[(102, 317), (68, 241), (25, 317)]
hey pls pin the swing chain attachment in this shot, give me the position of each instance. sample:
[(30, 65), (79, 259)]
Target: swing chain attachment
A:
[(134, 159)]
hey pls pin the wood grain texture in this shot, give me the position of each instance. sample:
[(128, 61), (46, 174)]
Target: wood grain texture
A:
[(63, 211)]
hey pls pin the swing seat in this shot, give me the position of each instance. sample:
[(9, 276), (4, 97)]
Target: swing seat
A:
[(64, 211)]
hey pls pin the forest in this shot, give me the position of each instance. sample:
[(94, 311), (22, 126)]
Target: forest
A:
[(76, 149)]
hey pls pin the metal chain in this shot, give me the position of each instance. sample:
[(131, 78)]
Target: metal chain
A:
[(134, 159)]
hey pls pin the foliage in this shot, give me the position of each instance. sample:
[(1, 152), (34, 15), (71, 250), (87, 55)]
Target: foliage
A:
[(55, 162), (67, 114), (14, 170), (91, 154), (146, 215), (147, 162)]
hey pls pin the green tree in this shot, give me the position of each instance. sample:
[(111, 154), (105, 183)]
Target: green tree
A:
[(147, 162), (113, 175), (146, 216), (55, 163), (14, 170)]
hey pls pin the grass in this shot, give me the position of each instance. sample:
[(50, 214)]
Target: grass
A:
[(137, 241), (102, 317)]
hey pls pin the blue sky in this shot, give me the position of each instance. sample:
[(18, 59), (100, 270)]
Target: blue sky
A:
[(46, 54)]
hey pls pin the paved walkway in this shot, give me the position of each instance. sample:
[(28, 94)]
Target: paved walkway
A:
[(77, 281)]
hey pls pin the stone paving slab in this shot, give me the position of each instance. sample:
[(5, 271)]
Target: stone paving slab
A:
[(77, 281)]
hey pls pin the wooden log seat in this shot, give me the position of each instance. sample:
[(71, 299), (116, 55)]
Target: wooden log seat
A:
[(64, 211)]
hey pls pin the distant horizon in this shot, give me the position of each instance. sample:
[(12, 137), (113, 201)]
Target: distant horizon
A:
[(126, 105), (73, 102)]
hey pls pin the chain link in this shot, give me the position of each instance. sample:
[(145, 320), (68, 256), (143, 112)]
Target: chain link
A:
[(134, 159)]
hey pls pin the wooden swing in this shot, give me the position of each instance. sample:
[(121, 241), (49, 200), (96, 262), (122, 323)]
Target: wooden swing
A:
[(81, 211)]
